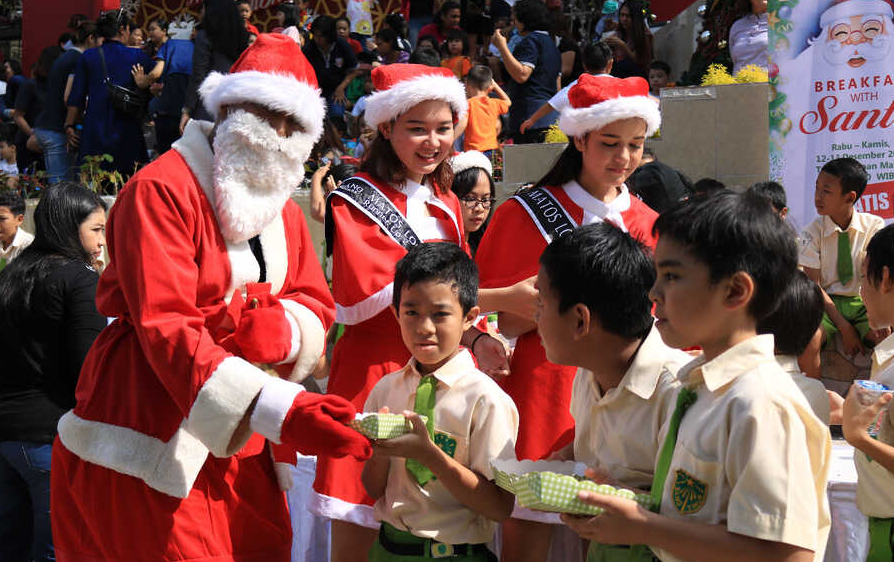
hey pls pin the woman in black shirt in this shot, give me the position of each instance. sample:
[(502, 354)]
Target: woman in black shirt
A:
[(48, 321)]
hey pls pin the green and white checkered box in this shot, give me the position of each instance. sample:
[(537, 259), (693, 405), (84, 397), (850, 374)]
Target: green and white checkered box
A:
[(555, 490), (382, 426)]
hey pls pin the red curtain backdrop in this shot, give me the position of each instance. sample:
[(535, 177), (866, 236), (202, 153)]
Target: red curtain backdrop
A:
[(667, 10)]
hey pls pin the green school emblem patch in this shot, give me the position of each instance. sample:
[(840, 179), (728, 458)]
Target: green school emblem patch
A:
[(446, 443), (689, 493)]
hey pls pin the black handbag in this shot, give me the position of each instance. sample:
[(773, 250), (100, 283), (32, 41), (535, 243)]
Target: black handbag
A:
[(133, 103)]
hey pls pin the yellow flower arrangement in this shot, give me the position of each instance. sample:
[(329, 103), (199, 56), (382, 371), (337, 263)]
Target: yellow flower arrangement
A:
[(718, 75), (555, 135)]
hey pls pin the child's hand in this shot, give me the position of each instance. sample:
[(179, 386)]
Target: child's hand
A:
[(836, 407), (619, 524), (414, 445), (851, 340), (491, 355), (493, 86), (856, 418)]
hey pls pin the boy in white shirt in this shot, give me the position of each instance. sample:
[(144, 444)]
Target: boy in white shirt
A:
[(744, 465), (433, 487), (13, 239), (624, 389)]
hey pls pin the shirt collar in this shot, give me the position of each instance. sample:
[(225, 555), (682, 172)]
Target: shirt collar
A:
[(642, 376), (830, 228), (450, 372), (727, 366), (789, 364), (610, 211), (884, 350)]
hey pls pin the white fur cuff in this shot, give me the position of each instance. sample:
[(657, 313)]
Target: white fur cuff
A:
[(273, 405), (577, 122), (295, 346), (311, 339), (221, 404), (389, 104)]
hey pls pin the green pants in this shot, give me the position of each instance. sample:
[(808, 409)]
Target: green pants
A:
[(389, 534), (618, 553), (854, 312), (881, 540)]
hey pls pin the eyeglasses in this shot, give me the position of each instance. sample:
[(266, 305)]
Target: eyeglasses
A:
[(471, 202)]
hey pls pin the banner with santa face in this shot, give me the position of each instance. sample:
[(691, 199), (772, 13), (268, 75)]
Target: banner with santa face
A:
[(832, 96)]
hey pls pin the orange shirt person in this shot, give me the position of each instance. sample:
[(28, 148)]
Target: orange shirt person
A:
[(484, 111)]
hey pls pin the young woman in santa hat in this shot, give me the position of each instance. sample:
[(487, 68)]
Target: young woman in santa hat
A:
[(400, 197), (607, 121)]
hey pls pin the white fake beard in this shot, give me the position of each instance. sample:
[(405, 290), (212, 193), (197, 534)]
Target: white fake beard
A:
[(255, 171), (874, 50)]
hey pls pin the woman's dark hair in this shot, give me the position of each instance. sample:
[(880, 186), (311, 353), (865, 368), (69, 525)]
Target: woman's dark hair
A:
[(566, 168), (533, 14), (111, 23), (341, 172), (637, 25), (85, 31), (290, 14), (331, 139), (58, 217), (446, 7), (15, 65), (225, 28), (463, 183), (381, 162), (396, 22), (325, 27), (454, 34), (64, 38), (388, 35), (45, 62), (161, 22)]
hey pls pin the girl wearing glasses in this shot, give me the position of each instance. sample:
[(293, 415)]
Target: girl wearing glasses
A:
[(474, 186)]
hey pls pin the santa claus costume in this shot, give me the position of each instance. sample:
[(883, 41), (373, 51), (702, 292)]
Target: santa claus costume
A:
[(370, 223), (558, 203), (212, 272)]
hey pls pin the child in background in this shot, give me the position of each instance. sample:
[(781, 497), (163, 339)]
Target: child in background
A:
[(774, 193), (343, 28), (387, 48), (659, 77), (875, 456), (426, 54), (707, 186), (795, 324), (13, 239), (744, 463), (473, 184), (832, 250), (624, 389), (8, 165), (456, 53), (434, 488), (323, 181), (484, 111)]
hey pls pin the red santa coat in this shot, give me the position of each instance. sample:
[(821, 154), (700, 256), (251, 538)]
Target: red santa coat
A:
[(132, 474), (363, 259), (510, 252)]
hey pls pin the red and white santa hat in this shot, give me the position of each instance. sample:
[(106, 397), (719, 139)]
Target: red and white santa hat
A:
[(401, 86), (471, 159), (272, 72), (596, 101), (844, 9)]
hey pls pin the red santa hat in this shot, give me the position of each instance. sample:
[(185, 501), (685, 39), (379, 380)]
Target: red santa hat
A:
[(272, 72), (596, 101), (401, 86), (844, 9), (471, 159)]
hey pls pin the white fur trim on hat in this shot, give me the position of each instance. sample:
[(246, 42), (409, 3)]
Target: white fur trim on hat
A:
[(386, 105), (576, 122), (274, 91), (471, 159), (844, 10)]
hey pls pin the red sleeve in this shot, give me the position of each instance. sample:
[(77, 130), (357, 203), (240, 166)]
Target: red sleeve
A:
[(510, 249), (305, 283), (639, 219)]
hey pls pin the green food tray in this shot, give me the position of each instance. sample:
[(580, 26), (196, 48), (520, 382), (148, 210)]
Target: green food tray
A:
[(382, 426)]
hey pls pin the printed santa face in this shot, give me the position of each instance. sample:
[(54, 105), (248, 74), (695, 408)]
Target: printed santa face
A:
[(858, 40)]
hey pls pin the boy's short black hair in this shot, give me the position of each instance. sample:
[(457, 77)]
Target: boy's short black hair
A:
[(480, 77), (438, 261), (880, 253), (608, 271), (772, 192), (850, 173), (426, 56), (661, 65), (707, 186), (13, 201), (798, 314), (366, 57), (731, 232), (596, 56), (243, 2)]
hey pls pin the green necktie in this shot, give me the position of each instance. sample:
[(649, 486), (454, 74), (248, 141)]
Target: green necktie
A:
[(2, 263), (845, 264), (685, 399), (424, 405)]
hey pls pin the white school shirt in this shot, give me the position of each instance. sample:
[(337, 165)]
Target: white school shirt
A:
[(875, 484), (813, 389), (618, 431), (19, 242), (819, 250), (750, 453), (476, 419)]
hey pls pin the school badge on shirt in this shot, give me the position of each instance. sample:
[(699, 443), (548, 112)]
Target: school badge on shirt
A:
[(689, 493)]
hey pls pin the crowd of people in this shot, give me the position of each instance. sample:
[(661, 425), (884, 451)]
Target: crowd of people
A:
[(665, 333)]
